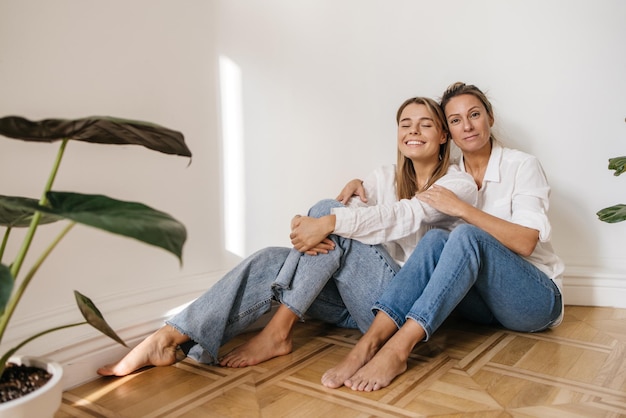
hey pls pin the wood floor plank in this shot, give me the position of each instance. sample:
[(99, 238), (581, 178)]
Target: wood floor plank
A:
[(575, 370)]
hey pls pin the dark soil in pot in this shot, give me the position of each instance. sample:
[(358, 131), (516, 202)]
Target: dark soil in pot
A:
[(17, 381)]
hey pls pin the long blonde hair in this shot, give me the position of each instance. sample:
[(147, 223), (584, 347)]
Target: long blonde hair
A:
[(406, 179)]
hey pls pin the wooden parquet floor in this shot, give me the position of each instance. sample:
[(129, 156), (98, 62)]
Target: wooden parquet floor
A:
[(575, 370)]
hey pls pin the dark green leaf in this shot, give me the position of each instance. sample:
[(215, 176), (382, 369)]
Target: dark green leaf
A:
[(6, 286), (94, 317), (18, 211), (618, 164), (97, 129), (130, 219), (612, 214)]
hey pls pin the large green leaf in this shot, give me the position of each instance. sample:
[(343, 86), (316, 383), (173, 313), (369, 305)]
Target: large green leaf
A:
[(612, 214), (618, 164), (130, 219), (94, 317), (18, 211), (97, 129), (6, 286)]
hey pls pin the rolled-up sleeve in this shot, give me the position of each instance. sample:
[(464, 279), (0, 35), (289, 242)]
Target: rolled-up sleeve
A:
[(530, 200), (380, 223), (387, 222)]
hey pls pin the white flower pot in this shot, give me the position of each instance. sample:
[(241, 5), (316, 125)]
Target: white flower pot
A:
[(42, 403)]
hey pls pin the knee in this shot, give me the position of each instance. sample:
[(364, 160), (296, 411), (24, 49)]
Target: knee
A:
[(435, 238), (437, 235), (429, 247), (466, 239), (467, 233), (323, 207), (465, 230)]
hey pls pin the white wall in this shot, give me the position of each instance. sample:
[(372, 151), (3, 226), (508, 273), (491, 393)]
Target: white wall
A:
[(321, 81), (147, 60)]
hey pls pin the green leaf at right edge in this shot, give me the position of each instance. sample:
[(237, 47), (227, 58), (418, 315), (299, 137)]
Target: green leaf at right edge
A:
[(6, 286), (94, 317), (612, 214), (618, 164)]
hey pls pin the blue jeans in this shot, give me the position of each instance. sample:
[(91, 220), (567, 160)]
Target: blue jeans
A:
[(359, 273), (470, 271)]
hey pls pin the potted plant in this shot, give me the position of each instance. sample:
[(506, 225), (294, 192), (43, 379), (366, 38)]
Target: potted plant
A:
[(615, 213), (130, 219)]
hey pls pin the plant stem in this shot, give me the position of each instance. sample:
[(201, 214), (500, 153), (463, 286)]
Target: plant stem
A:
[(21, 255), (17, 295), (9, 353), (4, 241)]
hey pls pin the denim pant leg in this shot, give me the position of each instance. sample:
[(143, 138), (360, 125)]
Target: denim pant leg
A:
[(519, 295), (366, 273), (509, 290), (303, 277), (409, 284), (330, 308), (237, 300), (360, 272)]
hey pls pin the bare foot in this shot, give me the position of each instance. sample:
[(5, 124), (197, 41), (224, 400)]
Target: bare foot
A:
[(390, 361), (356, 358), (262, 347), (159, 349), (274, 340), (379, 372), (379, 332)]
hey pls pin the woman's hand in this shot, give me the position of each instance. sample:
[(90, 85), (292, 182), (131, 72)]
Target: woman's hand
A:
[(443, 200), (515, 237), (322, 248), (309, 235), (353, 188)]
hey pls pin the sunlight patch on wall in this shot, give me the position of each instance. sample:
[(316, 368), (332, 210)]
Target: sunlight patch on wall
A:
[(233, 156), (175, 311)]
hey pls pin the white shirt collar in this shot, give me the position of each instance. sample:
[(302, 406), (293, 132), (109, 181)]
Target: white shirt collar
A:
[(493, 166)]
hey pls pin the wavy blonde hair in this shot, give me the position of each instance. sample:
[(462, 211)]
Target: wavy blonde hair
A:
[(406, 179)]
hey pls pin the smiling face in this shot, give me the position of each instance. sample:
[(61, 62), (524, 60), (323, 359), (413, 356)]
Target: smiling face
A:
[(419, 136), (469, 122)]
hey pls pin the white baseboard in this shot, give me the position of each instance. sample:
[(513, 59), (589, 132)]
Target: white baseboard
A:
[(589, 287), (80, 361), (82, 353)]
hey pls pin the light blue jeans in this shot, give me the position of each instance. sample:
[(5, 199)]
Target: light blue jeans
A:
[(338, 288), (470, 271)]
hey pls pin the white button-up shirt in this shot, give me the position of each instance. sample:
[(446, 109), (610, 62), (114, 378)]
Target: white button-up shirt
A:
[(515, 189), (398, 224)]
